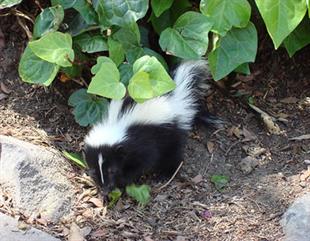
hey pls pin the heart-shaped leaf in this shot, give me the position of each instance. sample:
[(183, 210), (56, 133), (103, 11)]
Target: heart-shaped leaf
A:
[(189, 36), (281, 17), (88, 109), (116, 51), (54, 47), (219, 181), (119, 12), (151, 82), (34, 70), (159, 6), (238, 46), (226, 14), (48, 20), (106, 81), (91, 43)]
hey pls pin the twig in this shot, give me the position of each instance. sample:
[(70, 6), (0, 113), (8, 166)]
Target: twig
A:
[(24, 27), (234, 144), (173, 176)]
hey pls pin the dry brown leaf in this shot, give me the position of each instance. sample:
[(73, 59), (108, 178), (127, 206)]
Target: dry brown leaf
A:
[(197, 179), (4, 88), (180, 238), (42, 221), (299, 138), (210, 146), (272, 127), (98, 234), (75, 233), (96, 201), (248, 136), (289, 100), (88, 213), (3, 96)]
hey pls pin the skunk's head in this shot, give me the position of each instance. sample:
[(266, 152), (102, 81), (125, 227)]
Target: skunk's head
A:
[(106, 165)]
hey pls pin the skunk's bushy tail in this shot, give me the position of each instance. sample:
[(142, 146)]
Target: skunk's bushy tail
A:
[(192, 83)]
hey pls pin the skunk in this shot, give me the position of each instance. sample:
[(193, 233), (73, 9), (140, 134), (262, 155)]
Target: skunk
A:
[(134, 139)]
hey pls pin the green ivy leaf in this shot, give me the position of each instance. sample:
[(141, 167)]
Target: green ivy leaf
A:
[(159, 6), (75, 158), (106, 81), (160, 58), (34, 70), (168, 18), (226, 14), (54, 47), (299, 38), (243, 69), (8, 3), (140, 87), (114, 196), (188, 38), (91, 43), (281, 17), (88, 109), (119, 12), (128, 37), (153, 81), (116, 51), (220, 181), (238, 46), (140, 193), (126, 73), (64, 3), (86, 10), (48, 20), (76, 24)]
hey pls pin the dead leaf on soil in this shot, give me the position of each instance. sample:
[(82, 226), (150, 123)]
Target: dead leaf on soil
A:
[(210, 146), (3, 96), (75, 233), (96, 201), (299, 138), (180, 238), (197, 179), (248, 136), (234, 131), (5, 89), (98, 234), (289, 100), (271, 126), (248, 164), (253, 150)]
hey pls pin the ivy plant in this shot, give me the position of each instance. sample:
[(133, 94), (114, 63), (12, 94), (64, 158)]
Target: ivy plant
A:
[(120, 48)]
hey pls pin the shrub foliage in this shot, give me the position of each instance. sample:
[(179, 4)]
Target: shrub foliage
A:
[(124, 44)]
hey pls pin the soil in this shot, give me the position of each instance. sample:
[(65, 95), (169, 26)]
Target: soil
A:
[(251, 204)]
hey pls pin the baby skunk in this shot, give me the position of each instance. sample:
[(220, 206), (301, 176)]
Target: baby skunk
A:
[(135, 138)]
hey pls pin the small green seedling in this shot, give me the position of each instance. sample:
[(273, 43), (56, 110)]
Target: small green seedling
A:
[(76, 159), (114, 196), (219, 181), (140, 193)]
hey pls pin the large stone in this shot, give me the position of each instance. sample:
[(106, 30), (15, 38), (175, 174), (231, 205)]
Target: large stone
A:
[(296, 220), (9, 231), (35, 176)]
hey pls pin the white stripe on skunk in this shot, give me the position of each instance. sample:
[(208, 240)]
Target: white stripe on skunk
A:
[(179, 106)]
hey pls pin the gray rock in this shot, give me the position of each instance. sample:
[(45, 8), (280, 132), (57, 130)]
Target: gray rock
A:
[(248, 164), (296, 220), (9, 231), (36, 178)]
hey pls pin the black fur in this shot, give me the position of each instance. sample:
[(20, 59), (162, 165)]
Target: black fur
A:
[(148, 148)]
